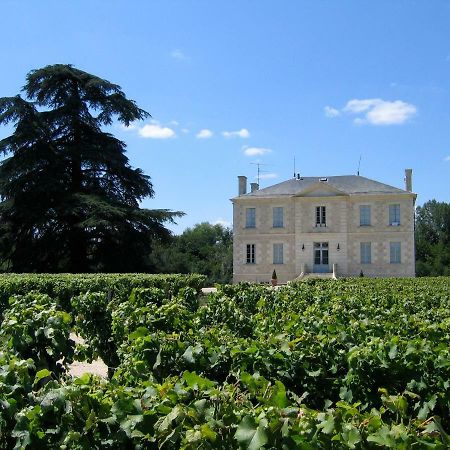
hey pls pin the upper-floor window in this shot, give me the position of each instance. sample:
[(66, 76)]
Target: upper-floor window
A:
[(395, 252), (394, 215), (278, 217), (250, 218), (250, 258), (364, 215), (321, 219), (366, 252), (278, 253)]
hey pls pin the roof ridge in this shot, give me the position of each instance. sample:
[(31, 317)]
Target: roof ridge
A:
[(349, 184)]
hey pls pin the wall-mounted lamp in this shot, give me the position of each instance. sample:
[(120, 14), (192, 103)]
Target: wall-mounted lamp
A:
[(338, 248), (303, 247)]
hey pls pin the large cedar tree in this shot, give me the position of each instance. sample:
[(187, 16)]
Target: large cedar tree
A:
[(69, 197)]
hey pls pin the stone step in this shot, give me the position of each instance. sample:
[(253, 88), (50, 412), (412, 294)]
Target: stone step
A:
[(324, 276)]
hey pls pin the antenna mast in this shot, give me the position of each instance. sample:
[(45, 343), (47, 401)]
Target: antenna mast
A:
[(359, 164), (294, 166), (259, 171)]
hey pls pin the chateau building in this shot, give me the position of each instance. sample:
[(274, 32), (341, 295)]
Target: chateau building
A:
[(341, 225)]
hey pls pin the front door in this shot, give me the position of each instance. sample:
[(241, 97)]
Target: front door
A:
[(321, 257)]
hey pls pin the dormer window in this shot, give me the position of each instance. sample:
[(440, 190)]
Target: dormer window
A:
[(321, 219)]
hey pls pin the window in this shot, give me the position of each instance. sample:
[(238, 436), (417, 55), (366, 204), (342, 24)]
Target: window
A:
[(364, 215), (321, 216), (250, 218), (278, 253), (250, 254), (394, 215), (396, 252), (366, 252), (278, 217)]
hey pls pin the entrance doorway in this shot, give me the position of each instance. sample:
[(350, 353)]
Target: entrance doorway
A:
[(321, 257)]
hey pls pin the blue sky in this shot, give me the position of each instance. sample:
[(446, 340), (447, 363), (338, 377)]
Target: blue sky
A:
[(233, 83)]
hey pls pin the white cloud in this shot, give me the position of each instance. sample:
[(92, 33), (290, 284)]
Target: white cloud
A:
[(223, 222), (268, 176), (375, 111), (185, 130), (156, 131), (447, 158), (255, 151), (242, 133), (204, 134), (356, 105), (391, 113), (175, 123), (331, 112), (179, 55)]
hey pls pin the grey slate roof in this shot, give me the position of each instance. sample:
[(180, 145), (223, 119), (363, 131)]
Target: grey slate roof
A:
[(348, 184)]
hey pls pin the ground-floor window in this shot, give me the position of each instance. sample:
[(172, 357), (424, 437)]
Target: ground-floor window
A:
[(366, 253), (395, 252), (250, 254), (278, 253)]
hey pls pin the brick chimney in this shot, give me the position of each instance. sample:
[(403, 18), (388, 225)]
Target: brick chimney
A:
[(242, 184), (408, 180)]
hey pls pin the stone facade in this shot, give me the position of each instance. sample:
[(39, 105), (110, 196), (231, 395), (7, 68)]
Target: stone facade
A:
[(347, 224)]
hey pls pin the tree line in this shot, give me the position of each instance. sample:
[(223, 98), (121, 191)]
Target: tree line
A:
[(433, 239)]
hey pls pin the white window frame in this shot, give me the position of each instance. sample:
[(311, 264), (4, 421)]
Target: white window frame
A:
[(278, 253), (250, 255), (278, 217), (321, 216)]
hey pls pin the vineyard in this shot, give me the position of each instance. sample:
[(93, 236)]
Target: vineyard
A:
[(357, 363)]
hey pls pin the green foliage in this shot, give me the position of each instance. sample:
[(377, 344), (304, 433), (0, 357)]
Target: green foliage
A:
[(70, 200), (315, 365), (433, 239), (117, 287), (93, 323), (33, 328), (104, 319), (204, 248)]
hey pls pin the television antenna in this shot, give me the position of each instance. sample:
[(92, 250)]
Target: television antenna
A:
[(259, 169), (359, 164)]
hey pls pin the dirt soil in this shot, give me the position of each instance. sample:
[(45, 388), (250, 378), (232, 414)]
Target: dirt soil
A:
[(97, 367)]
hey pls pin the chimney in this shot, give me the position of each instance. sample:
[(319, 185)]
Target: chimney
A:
[(254, 187), (408, 180), (242, 184)]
